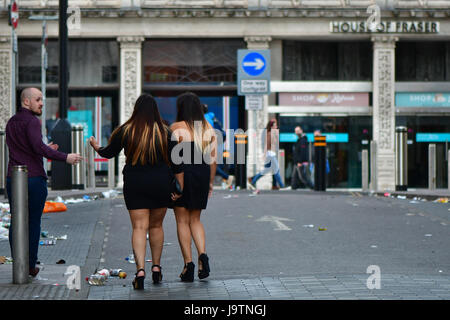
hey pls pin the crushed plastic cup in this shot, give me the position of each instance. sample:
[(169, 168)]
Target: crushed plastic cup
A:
[(442, 200), (387, 194), (122, 275), (96, 280), (115, 272), (308, 226), (401, 197), (104, 272)]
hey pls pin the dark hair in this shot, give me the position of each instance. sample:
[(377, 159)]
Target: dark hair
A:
[(144, 132), (270, 124), (189, 110)]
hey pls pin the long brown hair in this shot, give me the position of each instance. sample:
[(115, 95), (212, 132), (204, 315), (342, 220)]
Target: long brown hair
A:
[(190, 110), (144, 134)]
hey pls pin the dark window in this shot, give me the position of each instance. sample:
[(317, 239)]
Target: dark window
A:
[(109, 74), (422, 61), (190, 61), (32, 74), (329, 61)]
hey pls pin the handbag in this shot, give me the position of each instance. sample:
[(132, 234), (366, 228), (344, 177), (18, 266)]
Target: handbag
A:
[(176, 187)]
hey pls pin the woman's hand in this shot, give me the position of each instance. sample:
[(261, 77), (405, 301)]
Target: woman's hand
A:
[(210, 190), (94, 143), (175, 196)]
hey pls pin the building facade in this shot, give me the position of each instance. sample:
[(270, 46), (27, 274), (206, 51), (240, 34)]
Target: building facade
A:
[(353, 70)]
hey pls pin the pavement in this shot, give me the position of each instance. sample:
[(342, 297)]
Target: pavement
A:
[(271, 245)]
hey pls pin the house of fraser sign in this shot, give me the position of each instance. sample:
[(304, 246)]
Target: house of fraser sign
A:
[(385, 27)]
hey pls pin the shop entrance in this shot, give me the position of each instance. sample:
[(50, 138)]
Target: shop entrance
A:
[(347, 136)]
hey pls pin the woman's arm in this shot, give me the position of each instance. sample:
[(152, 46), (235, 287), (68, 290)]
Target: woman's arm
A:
[(112, 149)]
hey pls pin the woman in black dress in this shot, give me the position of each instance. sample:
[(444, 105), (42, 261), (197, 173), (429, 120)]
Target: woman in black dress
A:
[(198, 144), (147, 178)]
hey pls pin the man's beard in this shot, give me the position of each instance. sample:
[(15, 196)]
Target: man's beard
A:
[(37, 113)]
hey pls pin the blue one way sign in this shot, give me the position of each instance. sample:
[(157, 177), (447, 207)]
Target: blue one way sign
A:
[(253, 72), (254, 64)]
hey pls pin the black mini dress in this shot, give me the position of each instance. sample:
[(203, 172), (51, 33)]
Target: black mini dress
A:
[(196, 179), (145, 186)]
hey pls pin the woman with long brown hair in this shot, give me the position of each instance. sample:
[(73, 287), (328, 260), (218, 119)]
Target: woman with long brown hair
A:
[(199, 144), (271, 139), (148, 177)]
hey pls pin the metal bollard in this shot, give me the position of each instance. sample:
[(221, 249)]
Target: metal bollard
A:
[(401, 159), (19, 224), (365, 170), (432, 167), (111, 176), (90, 168), (240, 145), (78, 176), (320, 150), (373, 166), (3, 163)]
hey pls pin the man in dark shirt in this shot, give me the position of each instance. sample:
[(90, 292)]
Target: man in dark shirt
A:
[(24, 140), (301, 161)]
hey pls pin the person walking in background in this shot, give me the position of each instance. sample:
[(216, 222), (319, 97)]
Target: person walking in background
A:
[(300, 170), (189, 129), (215, 123), (271, 160), (148, 177), (24, 141)]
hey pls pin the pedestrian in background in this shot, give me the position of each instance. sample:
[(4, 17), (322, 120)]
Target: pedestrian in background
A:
[(215, 123), (318, 132), (148, 177), (271, 152), (24, 140), (189, 129), (300, 170)]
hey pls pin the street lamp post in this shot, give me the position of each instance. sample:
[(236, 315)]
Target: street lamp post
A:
[(44, 67)]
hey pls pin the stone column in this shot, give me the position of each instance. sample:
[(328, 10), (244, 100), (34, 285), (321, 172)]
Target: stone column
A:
[(130, 82), (384, 110), (6, 86), (258, 120)]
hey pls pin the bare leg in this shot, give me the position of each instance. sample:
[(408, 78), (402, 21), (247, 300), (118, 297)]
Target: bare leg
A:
[(197, 230), (156, 234), (184, 232), (140, 225)]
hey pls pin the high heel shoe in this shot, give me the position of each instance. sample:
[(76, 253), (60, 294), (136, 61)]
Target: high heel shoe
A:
[(188, 275), (204, 272), (156, 275), (138, 282)]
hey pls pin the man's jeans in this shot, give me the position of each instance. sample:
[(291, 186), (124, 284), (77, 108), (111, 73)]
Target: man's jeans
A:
[(37, 194)]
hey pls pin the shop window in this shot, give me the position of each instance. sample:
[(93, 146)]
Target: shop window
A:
[(327, 61), (109, 74), (190, 61), (91, 63), (422, 61)]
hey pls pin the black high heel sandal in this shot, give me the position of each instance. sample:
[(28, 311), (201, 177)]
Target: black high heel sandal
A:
[(157, 275), (138, 282), (204, 272), (188, 275)]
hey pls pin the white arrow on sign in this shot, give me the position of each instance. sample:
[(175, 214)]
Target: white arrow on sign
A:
[(277, 220), (258, 64)]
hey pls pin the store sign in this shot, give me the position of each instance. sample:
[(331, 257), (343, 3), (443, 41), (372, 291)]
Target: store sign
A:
[(357, 99), (432, 137), (385, 27), (422, 99), (330, 137)]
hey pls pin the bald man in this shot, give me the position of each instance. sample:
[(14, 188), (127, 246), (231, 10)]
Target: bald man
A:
[(24, 140)]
